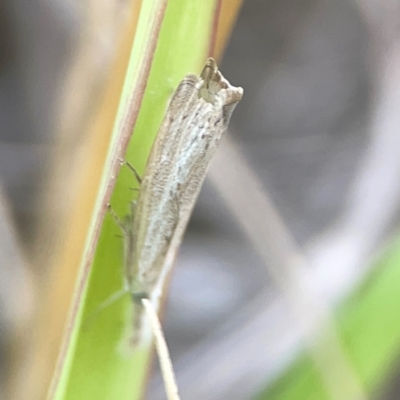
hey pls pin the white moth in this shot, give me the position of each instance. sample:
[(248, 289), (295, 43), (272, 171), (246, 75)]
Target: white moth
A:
[(197, 117)]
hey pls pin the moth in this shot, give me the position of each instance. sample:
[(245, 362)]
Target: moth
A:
[(194, 123)]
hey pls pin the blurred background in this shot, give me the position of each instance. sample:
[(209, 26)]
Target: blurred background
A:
[(296, 231)]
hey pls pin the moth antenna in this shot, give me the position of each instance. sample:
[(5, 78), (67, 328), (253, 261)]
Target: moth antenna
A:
[(167, 370), (116, 218)]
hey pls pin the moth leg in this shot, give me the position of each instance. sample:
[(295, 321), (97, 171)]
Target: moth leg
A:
[(130, 166), (125, 226), (116, 218), (138, 178)]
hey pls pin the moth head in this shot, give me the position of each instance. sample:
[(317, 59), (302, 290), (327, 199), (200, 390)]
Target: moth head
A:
[(213, 83)]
